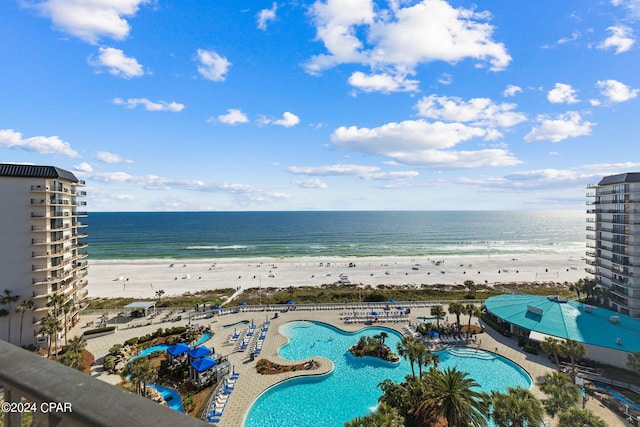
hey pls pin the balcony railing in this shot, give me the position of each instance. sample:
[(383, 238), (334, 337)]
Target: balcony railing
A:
[(64, 396)]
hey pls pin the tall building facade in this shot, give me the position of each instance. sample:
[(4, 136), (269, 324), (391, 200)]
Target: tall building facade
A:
[(613, 239), (42, 248)]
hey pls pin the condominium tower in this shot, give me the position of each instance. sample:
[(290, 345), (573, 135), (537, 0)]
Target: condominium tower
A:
[(613, 247), (42, 250)]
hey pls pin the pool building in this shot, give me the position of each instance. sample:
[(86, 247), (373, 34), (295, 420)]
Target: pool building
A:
[(608, 336)]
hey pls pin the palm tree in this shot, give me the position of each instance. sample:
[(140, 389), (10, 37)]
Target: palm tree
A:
[(451, 395), (67, 308), (407, 349), (50, 327), (7, 299), (517, 407), (471, 286), (76, 345), (23, 307), (574, 351), (438, 312), (562, 392), (383, 336), (55, 301), (457, 309), (159, 293), (579, 417), (552, 346), (633, 362), (385, 416), (577, 287), (472, 311)]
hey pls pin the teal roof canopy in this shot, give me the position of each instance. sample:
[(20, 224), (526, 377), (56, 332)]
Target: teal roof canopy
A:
[(568, 320)]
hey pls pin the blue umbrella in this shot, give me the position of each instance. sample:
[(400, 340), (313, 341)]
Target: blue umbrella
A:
[(291, 303), (218, 307), (392, 300), (399, 307), (243, 303), (433, 334), (374, 313)]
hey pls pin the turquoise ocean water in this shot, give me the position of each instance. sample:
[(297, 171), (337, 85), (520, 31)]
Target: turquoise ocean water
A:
[(188, 235)]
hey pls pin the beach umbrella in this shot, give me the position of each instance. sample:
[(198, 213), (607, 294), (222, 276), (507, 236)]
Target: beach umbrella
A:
[(392, 300), (433, 334), (374, 313), (399, 307), (291, 303), (243, 303), (218, 307)]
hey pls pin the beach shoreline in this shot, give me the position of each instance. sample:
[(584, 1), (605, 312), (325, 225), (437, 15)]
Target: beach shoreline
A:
[(142, 278)]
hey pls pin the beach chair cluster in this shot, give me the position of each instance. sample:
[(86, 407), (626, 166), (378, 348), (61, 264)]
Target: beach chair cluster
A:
[(387, 316), (234, 338), (221, 397), (248, 336), (409, 330), (262, 335)]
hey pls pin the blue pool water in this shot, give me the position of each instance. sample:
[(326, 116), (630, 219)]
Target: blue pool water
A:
[(430, 319), (233, 325), (170, 396), (205, 337), (351, 389), (148, 351)]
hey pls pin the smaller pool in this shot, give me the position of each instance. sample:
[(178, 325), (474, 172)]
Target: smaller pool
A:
[(205, 337), (233, 325), (148, 351), (170, 396)]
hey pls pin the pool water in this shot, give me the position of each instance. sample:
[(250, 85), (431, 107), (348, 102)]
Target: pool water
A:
[(170, 396), (205, 337), (233, 325), (351, 389), (148, 351)]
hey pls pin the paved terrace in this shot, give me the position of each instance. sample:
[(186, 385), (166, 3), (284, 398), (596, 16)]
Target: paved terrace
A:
[(251, 384)]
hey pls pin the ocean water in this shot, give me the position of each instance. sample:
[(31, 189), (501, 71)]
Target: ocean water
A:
[(188, 235)]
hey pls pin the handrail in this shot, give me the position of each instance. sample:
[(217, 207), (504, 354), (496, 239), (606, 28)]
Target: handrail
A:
[(83, 400)]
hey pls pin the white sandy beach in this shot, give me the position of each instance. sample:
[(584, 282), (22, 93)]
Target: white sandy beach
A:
[(142, 278)]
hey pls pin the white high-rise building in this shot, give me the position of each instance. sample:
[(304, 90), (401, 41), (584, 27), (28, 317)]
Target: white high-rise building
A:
[(41, 250), (614, 239)]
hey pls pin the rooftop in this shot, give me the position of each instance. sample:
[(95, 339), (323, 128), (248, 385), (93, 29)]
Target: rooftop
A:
[(35, 171), (568, 320), (620, 178)]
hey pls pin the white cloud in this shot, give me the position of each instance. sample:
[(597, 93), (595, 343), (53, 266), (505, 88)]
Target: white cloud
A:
[(511, 90), (288, 120), (117, 63), (398, 39), (478, 111), (616, 91), (562, 94), (384, 82), (233, 116), (131, 103), (445, 79), (422, 143), (107, 157), (266, 15), (568, 125), (310, 183), (360, 171), (38, 144), (633, 6), (83, 167), (90, 20), (621, 39), (212, 66)]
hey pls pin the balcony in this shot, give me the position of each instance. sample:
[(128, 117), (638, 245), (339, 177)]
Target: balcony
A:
[(39, 188), (90, 402)]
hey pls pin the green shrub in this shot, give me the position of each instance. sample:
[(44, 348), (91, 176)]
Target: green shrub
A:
[(131, 341), (528, 348), (115, 348), (109, 363)]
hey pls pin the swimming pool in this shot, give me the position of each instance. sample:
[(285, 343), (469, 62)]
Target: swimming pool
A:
[(351, 389), (170, 396), (205, 337), (233, 325), (148, 351)]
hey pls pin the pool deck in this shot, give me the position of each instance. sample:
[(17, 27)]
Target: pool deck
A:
[(250, 384)]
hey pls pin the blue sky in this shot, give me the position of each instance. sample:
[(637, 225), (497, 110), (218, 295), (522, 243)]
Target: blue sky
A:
[(330, 105)]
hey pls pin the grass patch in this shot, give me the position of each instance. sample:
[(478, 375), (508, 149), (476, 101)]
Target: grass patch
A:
[(188, 299)]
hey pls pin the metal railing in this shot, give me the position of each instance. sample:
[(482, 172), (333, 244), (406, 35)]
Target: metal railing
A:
[(59, 396)]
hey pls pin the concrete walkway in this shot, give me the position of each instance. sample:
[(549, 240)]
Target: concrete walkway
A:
[(250, 384)]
